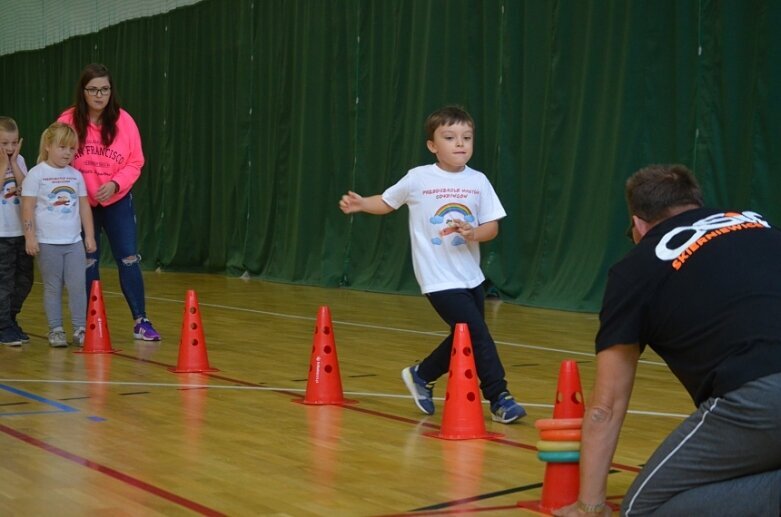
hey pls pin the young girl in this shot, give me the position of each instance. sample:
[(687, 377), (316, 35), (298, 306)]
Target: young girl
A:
[(54, 211), (16, 267)]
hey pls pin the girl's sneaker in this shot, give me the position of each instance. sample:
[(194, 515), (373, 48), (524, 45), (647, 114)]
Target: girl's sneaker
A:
[(57, 338), (144, 330), (78, 336)]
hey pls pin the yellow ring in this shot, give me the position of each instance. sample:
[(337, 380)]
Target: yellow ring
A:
[(546, 446)]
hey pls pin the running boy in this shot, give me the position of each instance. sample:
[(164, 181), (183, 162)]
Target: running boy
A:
[(452, 208), (54, 211), (16, 267)]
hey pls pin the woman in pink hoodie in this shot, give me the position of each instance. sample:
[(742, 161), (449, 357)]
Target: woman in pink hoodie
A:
[(110, 160)]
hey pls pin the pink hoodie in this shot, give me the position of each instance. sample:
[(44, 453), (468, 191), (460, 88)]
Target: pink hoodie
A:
[(120, 162)]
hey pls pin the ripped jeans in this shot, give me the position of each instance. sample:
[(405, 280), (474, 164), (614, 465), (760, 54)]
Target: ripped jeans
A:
[(119, 222)]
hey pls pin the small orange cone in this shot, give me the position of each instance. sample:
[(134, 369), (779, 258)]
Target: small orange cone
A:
[(324, 384), (569, 394), (96, 336), (562, 480), (462, 418), (192, 343)]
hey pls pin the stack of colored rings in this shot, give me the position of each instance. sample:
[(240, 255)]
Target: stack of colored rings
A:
[(559, 440)]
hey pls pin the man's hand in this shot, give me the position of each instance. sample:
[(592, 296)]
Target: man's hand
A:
[(573, 511)]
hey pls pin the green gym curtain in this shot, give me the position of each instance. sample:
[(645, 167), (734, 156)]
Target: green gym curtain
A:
[(257, 116)]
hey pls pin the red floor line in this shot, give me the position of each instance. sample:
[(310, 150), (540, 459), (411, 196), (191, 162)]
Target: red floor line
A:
[(512, 443), (108, 471)]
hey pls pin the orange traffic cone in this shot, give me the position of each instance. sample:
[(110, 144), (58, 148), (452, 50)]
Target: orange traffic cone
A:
[(462, 418), (192, 343), (96, 336), (569, 394), (562, 480), (324, 384)]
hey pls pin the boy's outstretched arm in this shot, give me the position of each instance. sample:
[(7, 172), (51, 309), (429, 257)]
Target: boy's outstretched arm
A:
[(352, 202)]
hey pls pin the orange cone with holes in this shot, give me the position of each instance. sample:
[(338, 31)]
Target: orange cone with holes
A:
[(462, 418), (569, 394), (192, 343), (96, 335), (562, 480), (324, 383)]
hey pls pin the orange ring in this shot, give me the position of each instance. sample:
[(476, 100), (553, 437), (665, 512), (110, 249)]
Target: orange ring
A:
[(547, 424), (560, 435)]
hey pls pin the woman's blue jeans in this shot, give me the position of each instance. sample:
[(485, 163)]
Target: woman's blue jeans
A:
[(119, 222)]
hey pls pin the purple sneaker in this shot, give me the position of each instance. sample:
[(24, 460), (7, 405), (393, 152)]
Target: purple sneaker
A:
[(144, 330)]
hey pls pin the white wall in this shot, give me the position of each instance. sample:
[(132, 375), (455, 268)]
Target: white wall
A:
[(34, 24)]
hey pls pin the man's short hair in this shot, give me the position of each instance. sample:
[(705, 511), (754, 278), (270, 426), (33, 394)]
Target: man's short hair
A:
[(653, 191), (447, 116)]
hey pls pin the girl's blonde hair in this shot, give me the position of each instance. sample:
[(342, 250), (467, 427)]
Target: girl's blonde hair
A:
[(57, 134)]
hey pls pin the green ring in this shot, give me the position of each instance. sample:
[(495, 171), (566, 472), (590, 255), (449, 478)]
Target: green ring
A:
[(559, 457)]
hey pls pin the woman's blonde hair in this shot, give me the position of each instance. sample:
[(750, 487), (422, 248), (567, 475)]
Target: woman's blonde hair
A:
[(57, 134)]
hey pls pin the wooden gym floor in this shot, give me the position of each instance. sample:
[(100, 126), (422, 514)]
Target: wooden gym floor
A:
[(119, 434)]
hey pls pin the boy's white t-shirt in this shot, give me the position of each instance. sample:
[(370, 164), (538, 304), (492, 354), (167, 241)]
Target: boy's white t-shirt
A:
[(434, 197), (11, 203), (57, 192)]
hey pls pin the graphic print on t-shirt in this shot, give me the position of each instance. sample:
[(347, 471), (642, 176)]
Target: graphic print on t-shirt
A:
[(447, 215), (61, 199), (703, 231), (10, 192)]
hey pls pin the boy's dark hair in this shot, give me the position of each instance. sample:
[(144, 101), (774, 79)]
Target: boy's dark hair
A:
[(108, 128), (653, 191), (8, 125), (447, 116)]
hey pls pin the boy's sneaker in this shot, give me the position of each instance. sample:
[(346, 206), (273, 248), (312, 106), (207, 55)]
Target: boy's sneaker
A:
[(506, 410), (24, 337), (144, 330), (9, 337), (78, 336), (57, 338), (422, 392)]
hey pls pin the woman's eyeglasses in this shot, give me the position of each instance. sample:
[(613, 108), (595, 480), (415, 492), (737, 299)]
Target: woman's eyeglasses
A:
[(95, 91)]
